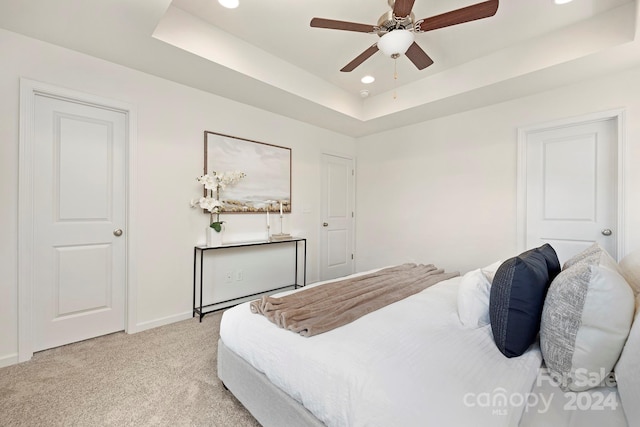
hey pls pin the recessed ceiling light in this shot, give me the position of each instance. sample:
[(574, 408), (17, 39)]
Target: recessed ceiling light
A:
[(563, 1), (368, 79), (229, 4)]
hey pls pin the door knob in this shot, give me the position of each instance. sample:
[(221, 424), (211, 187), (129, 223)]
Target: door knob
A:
[(117, 232), (606, 232), (324, 224)]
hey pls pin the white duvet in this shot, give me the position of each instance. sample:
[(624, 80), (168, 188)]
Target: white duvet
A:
[(408, 364)]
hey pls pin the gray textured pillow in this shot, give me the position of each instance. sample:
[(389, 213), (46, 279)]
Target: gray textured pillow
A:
[(586, 318), (628, 373), (595, 250)]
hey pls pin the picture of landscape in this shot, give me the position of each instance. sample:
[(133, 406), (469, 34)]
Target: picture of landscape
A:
[(267, 168)]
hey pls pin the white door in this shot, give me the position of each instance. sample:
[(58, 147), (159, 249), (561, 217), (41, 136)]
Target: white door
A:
[(571, 191), (79, 194), (337, 211)]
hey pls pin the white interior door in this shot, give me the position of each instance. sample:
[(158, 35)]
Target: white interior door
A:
[(336, 240), (571, 191), (79, 221)]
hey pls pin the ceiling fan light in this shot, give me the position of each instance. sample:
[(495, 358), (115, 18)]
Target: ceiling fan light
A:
[(229, 4), (396, 42)]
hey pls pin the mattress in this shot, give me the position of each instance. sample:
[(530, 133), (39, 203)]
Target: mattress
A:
[(410, 363)]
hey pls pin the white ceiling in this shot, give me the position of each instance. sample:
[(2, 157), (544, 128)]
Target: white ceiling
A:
[(264, 53), (283, 31)]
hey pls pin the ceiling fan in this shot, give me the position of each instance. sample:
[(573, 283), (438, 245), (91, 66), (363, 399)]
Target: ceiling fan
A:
[(397, 28)]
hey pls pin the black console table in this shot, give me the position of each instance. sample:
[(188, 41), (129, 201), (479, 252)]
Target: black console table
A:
[(199, 309)]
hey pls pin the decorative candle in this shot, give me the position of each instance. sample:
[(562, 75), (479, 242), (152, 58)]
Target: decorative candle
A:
[(280, 208)]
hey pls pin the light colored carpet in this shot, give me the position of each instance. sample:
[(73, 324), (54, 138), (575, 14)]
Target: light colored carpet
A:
[(161, 377)]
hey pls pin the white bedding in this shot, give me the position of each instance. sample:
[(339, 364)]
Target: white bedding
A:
[(411, 363), (597, 407)]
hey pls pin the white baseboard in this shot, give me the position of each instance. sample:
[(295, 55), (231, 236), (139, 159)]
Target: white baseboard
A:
[(8, 360), (150, 324)]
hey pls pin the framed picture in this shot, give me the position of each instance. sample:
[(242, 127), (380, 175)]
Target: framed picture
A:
[(267, 184)]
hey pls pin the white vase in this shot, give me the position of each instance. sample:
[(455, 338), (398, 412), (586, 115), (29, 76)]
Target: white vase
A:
[(214, 238)]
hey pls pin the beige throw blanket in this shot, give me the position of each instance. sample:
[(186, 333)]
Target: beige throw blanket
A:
[(322, 308)]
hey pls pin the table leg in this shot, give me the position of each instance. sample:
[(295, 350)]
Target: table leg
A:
[(295, 284), (193, 307), (201, 270)]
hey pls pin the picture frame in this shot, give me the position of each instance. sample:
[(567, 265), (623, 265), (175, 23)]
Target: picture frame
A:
[(267, 184)]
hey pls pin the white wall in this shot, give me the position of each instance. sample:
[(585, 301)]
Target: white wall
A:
[(444, 191), (171, 121)]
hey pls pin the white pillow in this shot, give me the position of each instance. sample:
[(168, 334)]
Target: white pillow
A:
[(585, 321), (473, 296), (490, 270), (630, 269), (628, 373)]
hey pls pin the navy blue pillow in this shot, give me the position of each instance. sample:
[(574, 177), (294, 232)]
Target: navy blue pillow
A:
[(550, 256), (516, 300)]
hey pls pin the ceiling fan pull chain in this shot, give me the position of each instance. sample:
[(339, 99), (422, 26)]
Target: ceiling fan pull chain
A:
[(395, 76)]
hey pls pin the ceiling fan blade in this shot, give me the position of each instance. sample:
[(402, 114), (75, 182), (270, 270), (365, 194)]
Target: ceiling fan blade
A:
[(402, 8), (418, 56), (342, 25), (360, 59), (459, 16)]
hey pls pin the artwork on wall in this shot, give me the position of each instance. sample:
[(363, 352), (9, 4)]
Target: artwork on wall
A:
[(267, 167)]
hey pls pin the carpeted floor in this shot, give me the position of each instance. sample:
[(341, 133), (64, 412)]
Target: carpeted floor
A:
[(161, 377)]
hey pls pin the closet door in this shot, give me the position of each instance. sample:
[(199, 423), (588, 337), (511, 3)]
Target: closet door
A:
[(571, 191), (337, 214), (79, 221)]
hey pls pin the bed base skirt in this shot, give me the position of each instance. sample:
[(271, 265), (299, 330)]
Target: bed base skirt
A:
[(266, 402)]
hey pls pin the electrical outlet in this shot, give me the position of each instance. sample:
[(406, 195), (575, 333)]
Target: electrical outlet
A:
[(239, 276), (228, 277)]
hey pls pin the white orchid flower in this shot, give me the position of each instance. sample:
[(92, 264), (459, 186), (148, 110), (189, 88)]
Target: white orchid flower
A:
[(215, 204), (215, 182), (210, 182), (209, 203), (228, 178)]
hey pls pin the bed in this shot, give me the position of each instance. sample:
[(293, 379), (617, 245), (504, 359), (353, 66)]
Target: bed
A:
[(410, 363)]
